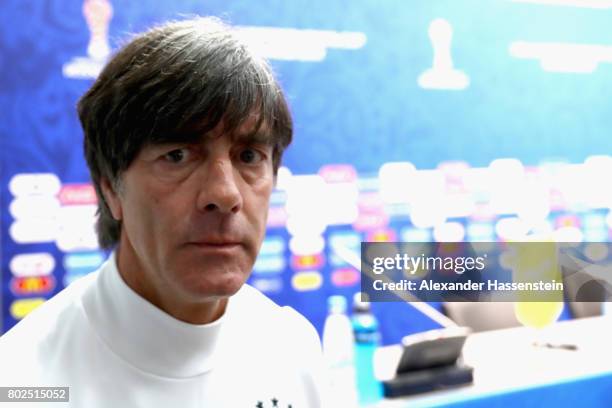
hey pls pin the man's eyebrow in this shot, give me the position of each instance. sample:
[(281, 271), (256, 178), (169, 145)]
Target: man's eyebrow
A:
[(195, 136), (189, 137), (260, 137)]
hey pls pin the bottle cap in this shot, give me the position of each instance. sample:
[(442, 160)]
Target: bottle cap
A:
[(336, 304), (360, 302)]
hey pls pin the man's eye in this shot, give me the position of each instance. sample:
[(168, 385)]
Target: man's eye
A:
[(176, 156), (250, 156)]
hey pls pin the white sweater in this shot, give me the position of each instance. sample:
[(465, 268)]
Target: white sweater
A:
[(114, 349)]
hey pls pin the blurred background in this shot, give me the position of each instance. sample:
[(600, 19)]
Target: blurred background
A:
[(446, 120)]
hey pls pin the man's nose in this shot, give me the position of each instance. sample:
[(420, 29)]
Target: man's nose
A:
[(219, 191)]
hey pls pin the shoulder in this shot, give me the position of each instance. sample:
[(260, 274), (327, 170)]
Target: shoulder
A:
[(41, 333), (262, 310), (282, 325), (303, 332), (283, 337), (63, 303)]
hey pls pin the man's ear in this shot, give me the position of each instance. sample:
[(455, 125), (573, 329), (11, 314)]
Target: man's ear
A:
[(112, 199)]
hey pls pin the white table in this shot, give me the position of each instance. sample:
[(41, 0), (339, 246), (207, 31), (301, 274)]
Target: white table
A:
[(506, 361)]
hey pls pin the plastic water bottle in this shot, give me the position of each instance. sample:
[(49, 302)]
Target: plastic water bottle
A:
[(367, 339), (338, 343), (606, 308)]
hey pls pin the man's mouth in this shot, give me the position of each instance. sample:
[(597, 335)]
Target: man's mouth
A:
[(217, 245)]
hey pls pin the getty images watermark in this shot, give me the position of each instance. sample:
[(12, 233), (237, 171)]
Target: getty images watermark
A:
[(486, 271)]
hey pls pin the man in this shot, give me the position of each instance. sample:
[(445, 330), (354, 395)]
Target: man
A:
[(184, 133)]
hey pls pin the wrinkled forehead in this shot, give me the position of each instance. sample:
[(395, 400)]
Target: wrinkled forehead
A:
[(254, 128), (250, 129)]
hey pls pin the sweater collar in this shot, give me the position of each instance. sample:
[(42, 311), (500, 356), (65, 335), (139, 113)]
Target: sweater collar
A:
[(144, 335)]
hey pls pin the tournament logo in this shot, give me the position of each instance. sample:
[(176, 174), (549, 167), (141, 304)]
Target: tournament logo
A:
[(98, 14), (307, 281), (21, 308), (32, 285), (34, 264)]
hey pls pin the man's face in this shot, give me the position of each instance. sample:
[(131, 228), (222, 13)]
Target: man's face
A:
[(193, 215)]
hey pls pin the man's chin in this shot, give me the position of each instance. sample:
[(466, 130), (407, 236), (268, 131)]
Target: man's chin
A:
[(215, 290)]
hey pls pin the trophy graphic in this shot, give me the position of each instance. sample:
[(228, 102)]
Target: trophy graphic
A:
[(98, 14), (442, 74)]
